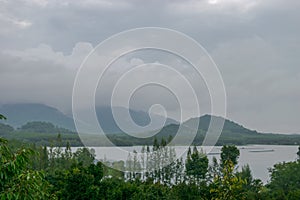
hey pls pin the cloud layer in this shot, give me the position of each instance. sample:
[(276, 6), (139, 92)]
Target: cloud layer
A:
[(254, 43)]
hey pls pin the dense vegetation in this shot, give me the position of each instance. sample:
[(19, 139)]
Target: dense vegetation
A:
[(40, 133), (35, 172)]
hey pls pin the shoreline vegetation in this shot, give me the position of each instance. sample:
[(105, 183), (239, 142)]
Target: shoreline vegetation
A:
[(45, 133), (36, 172)]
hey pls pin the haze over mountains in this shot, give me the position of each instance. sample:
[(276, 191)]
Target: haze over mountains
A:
[(19, 114), (30, 122)]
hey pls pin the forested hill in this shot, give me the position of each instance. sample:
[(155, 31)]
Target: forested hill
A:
[(229, 126), (44, 131), (232, 133), (19, 114)]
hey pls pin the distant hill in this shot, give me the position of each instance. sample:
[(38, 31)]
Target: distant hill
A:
[(204, 121), (19, 114), (229, 126), (109, 125), (45, 133), (43, 127), (232, 133)]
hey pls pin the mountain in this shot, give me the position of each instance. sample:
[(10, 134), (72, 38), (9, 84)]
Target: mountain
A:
[(109, 125), (19, 114), (25, 117), (203, 124), (232, 132), (229, 126)]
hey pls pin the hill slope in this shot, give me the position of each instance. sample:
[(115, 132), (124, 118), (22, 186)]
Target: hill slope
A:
[(109, 125), (19, 114)]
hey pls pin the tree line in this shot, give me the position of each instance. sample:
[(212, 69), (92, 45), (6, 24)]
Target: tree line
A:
[(37, 172)]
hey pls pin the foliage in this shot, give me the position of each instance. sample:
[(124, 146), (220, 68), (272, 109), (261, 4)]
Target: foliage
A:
[(18, 181), (285, 180), (42, 127), (252, 187), (229, 153), (196, 165), (227, 186)]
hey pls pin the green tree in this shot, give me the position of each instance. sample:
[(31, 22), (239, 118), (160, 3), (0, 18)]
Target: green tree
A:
[(18, 180), (214, 169), (186, 191), (285, 179), (196, 165), (231, 153), (251, 186), (84, 156), (227, 185), (78, 184)]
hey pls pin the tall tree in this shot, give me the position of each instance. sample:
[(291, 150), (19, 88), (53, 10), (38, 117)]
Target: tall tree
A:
[(229, 153), (227, 185), (196, 165)]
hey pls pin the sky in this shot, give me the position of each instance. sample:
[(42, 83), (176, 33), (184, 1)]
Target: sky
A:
[(254, 43)]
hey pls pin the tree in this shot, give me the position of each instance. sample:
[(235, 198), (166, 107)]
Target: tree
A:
[(229, 153), (78, 184), (227, 185), (246, 175), (84, 156), (196, 165), (285, 178), (186, 191), (251, 186), (18, 180), (214, 169)]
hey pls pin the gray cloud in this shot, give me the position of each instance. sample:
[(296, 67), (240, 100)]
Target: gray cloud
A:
[(254, 43)]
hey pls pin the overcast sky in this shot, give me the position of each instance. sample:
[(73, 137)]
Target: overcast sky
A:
[(255, 44)]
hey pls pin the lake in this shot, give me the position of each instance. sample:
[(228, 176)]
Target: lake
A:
[(259, 157)]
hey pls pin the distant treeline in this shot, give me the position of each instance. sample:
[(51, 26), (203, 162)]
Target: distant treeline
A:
[(45, 133)]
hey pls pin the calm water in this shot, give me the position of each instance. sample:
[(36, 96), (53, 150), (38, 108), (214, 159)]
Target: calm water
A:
[(259, 157)]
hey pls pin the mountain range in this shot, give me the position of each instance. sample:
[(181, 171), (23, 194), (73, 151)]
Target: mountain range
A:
[(40, 124), (20, 114)]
